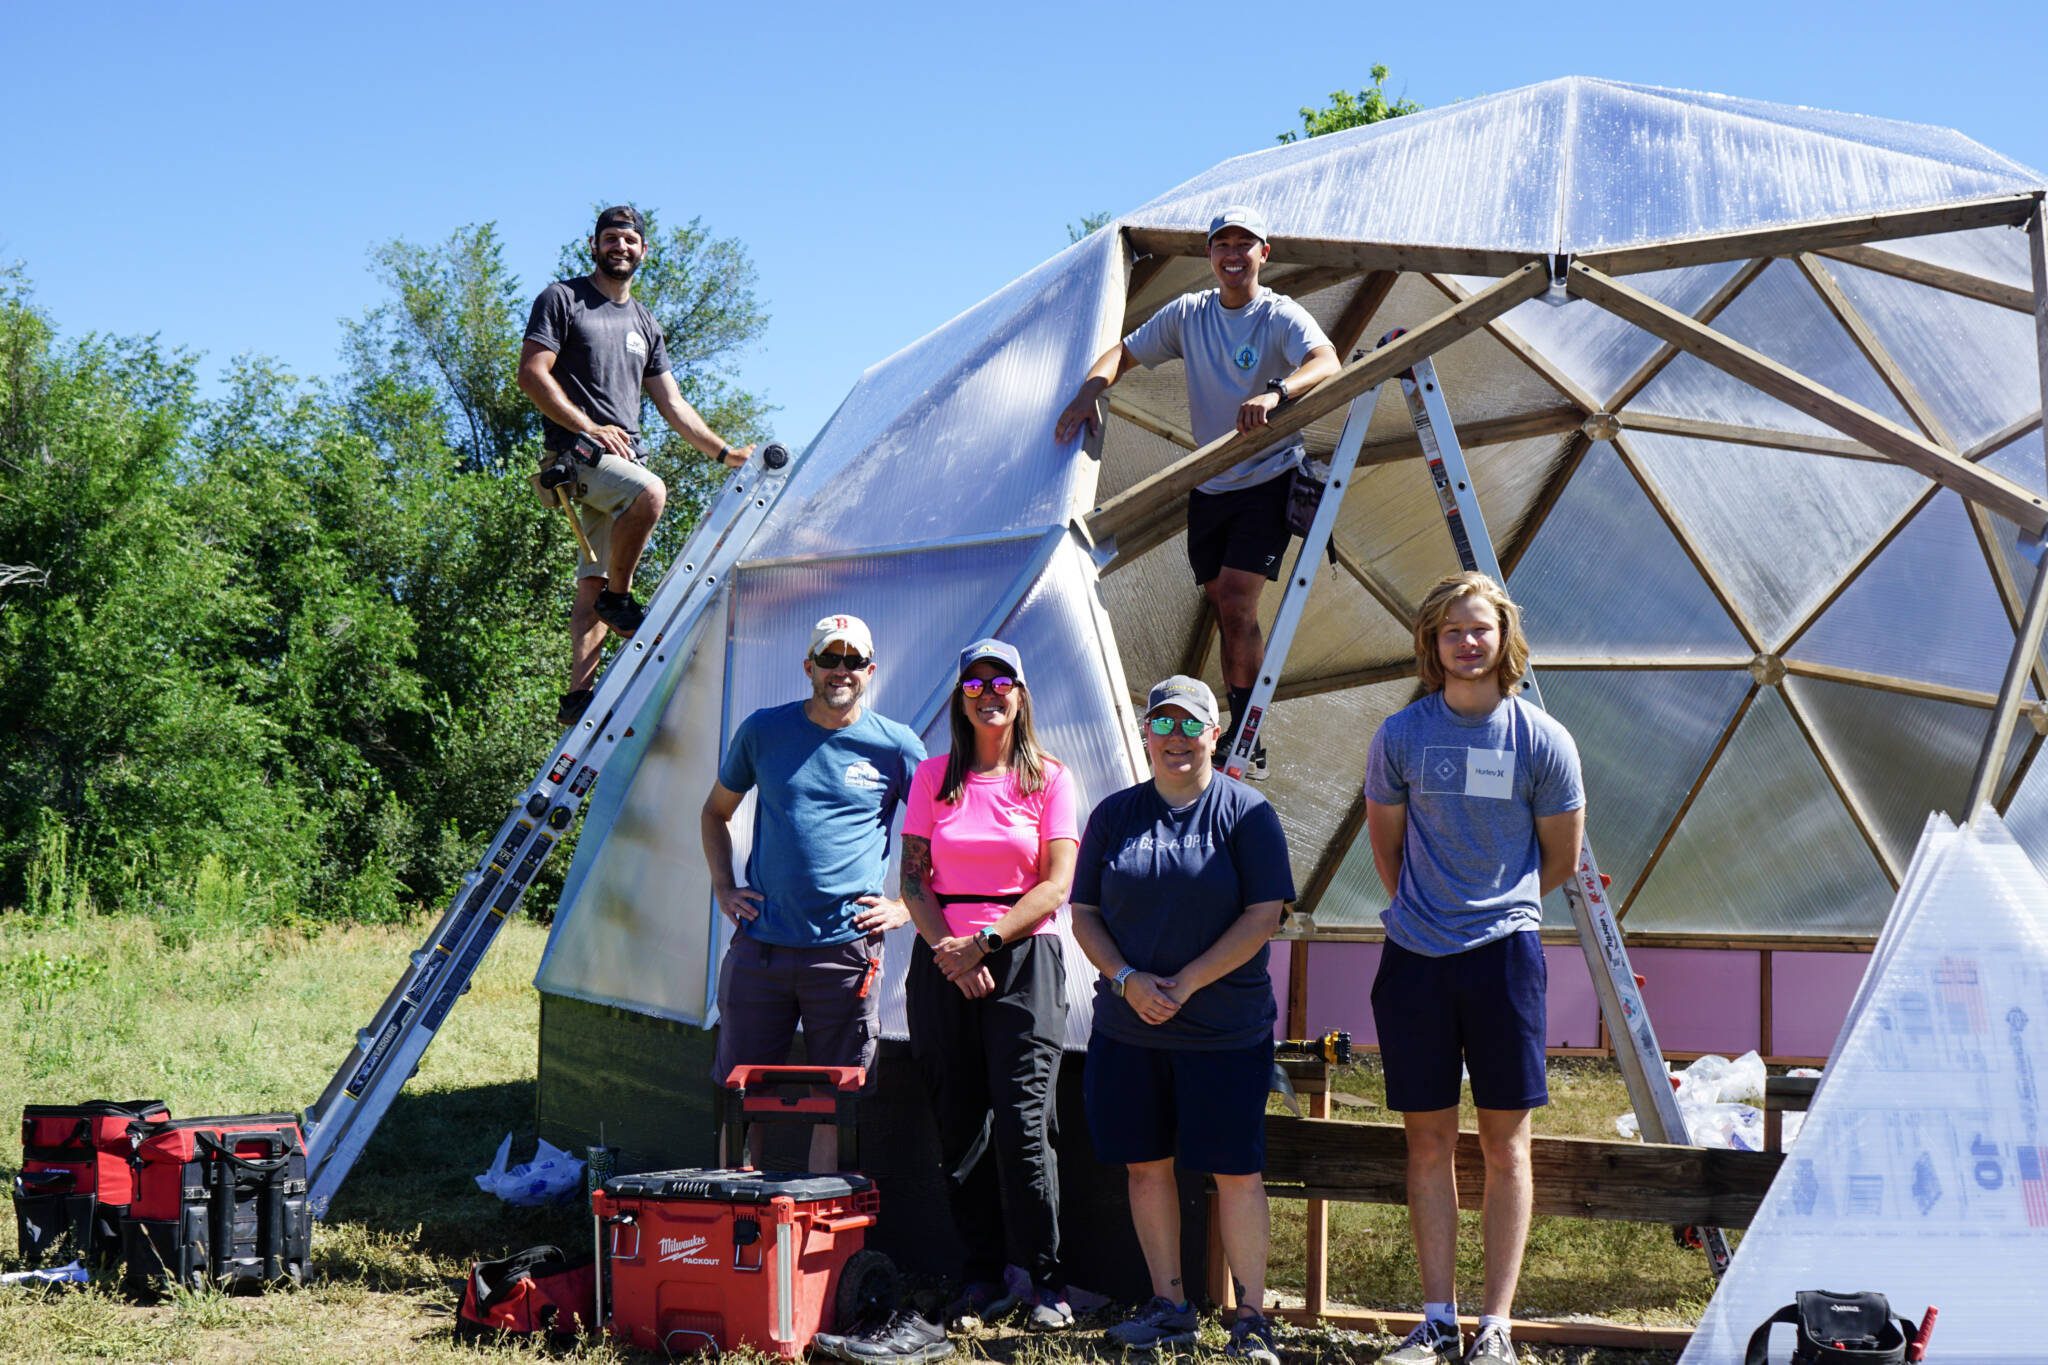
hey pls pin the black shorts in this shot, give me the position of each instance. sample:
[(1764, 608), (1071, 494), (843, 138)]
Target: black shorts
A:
[(1481, 1010), (1208, 1108), (1245, 528)]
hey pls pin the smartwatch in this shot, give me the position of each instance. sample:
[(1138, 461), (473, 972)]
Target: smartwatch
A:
[(1278, 386), (1116, 983), (991, 942)]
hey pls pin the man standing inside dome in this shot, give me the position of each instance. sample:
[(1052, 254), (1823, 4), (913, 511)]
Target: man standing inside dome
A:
[(1247, 350)]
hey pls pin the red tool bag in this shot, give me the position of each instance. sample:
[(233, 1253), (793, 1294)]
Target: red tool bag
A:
[(537, 1290), (76, 1180), (219, 1202)]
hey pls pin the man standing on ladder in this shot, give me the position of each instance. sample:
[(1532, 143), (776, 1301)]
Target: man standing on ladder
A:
[(591, 348), (1247, 351), (1475, 809)]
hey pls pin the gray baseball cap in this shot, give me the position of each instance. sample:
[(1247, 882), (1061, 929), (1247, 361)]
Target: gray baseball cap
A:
[(1241, 216), (1191, 695), (998, 650)]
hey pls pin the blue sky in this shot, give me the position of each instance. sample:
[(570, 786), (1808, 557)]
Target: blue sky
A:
[(218, 173)]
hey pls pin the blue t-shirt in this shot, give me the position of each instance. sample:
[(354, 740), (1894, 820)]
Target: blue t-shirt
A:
[(1169, 883), (1474, 787), (821, 820)]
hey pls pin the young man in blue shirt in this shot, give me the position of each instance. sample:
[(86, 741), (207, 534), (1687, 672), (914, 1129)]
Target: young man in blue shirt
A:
[(1475, 809)]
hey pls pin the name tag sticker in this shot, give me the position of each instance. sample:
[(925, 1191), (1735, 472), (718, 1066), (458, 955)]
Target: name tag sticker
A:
[(1490, 773)]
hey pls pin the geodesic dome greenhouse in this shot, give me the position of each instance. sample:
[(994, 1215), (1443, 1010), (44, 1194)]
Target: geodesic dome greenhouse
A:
[(1772, 575)]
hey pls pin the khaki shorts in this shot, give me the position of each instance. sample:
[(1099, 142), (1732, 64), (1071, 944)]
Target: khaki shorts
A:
[(603, 491)]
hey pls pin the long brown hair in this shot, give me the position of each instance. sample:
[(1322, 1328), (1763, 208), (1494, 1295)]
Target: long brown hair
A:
[(1430, 616), (1027, 760)]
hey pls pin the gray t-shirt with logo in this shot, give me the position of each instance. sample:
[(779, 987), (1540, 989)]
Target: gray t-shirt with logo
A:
[(1231, 353), (1474, 787), (603, 351)]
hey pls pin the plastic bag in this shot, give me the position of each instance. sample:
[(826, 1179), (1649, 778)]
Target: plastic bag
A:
[(1714, 1097), (551, 1177)]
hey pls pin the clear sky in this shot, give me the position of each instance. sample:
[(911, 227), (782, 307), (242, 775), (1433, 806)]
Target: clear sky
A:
[(218, 173)]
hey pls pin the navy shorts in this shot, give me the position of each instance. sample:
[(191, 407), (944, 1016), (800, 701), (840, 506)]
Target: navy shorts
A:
[(1245, 528), (1151, 1103), (1482, 1008)]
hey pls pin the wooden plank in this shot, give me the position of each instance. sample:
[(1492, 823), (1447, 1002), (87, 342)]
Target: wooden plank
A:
[(1637, 662), (1145, 420), (1201, 640), (1521, 350), (1316, 1254), (1522, 426), (1728, 433), (1144, 269), (1320, 683), (1174, 482), (1665, 354), (1378, 585), (1688, 542), (2004, 436), (1942, 277), (1636, 1182), (1874, 350), (1884, 682), (1352, 324), (2037, 254), (1577, 1332), (2016, 503), (1354, 255), (2006, 210), (1766, 1020), (1296, 283)]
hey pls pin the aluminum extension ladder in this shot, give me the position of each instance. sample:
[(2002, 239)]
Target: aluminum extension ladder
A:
[(1614, 982), (387, 1053)]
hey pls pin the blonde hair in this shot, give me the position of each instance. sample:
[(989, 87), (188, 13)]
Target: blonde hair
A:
[(1436, 608)]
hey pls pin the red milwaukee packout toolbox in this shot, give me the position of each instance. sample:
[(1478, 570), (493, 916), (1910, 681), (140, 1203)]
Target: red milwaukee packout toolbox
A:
[(219, 1203), (76, 1181)]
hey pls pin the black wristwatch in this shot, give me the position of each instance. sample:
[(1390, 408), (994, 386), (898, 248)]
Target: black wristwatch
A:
[(991, 942), (1278, 386)]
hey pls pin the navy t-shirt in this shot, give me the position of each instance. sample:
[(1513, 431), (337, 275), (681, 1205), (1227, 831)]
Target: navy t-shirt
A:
[(1169, 883)]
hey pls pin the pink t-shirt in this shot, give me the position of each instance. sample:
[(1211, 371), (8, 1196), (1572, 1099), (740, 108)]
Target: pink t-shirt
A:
[(991, 841)]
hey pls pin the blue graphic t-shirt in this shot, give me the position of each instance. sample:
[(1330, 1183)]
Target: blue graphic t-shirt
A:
[(821, 818), (1474, 787), (1169, 883)]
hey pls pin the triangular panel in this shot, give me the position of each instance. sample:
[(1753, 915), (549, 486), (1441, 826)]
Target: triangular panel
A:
[(1604, 577), (1922, 1168), (2022, 462), (1924, 609), (1766, 848), (1777, 526)]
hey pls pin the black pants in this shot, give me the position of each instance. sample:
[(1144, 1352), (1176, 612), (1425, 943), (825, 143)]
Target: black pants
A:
[(989, 1066)]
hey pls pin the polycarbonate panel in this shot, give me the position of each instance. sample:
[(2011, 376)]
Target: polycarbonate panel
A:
[(1779, 527), (953, 436), (1781, 316), (1131, 453), (2022, 462), (1924, 609), (1343, 629), (1972, 362), (1605, 578), (1996, 253), (1901, 756), (634, 926), (1766, 848), (2027, 817), (1643, 739), (1155, 605), (1317, 747)]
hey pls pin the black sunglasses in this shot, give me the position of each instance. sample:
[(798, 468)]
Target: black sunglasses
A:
[(836, 660)]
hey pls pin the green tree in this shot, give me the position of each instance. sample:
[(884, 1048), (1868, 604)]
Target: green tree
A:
[(1090, 222), (1347, 110)]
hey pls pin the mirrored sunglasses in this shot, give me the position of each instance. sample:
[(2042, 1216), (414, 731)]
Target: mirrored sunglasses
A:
[(1191, 727), (973, 687)]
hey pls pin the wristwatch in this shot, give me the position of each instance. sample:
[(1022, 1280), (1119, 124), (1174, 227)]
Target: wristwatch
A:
[(1116, 983), (991, 942), (1278, 386)]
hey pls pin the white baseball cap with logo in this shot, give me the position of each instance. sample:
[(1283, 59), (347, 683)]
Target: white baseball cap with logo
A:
[(848, 630)]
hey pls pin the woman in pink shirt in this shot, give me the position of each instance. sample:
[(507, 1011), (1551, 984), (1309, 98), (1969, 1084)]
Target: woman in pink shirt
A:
[(989, 835)]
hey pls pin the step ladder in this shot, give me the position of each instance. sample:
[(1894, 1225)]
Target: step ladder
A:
[(1614, 981), (387, 1053)]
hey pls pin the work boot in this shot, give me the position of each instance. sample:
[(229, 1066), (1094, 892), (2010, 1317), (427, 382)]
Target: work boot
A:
[(1431, 1343), (906, 1337), (1162, 1322), (572, 706), (619, 611), (1251, 1340), (1491, 1347)]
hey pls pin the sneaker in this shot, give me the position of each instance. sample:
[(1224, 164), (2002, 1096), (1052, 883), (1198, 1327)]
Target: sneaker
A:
[(1162, 1322), (572, 706), (905, 1337), (1431, 1343), (1050, 1312), (619, 611), (1256, 770), (1491, 1347), (980, 1303), (1251, 1339)]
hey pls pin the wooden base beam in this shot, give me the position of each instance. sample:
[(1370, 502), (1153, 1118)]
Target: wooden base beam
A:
[(1618, 1335)]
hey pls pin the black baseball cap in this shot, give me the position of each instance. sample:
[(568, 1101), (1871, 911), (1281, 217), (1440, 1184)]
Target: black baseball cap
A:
[(620, 216)]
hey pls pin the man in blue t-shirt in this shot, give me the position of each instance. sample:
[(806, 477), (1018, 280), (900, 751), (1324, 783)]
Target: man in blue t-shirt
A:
[(1246, 350), (808, 920), (1475, 809), (1178, 885)]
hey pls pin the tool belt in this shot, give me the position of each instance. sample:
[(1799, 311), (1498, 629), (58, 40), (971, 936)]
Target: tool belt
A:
[(558, 468), (1837, 1329), (76, 1182), (536, 1290), (219, 1203)]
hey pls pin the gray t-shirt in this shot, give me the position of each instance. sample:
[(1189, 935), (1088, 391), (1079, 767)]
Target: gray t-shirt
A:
[(1231, 353), (603, 350), (1474, 787)]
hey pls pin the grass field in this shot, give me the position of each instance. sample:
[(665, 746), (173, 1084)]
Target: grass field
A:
[(213, 1017)]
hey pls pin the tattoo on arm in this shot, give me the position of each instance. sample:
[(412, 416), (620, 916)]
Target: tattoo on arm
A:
[(917, 867)]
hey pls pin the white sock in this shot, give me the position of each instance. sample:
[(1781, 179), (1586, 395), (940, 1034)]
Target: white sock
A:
[(1487, 1320), (1442, 1314)]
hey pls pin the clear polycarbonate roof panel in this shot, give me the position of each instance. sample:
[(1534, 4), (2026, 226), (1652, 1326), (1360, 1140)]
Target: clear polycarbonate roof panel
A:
[(1996, 253), (954, 436), (2020, 461), (1777, 526), (1973, 363), (1766, 848), (635, 922), (1780, 315), (1131, 453), (1925, 609), (1155, 605), (1342, 630), (1644, 737), (1605, 579), (1649, 164), (1901, 756), (1317, 747)]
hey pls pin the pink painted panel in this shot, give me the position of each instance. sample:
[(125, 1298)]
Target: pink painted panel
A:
[(1574, 1011), (1810, 995), (1340, 993), (1277, 959), (1702, 999)]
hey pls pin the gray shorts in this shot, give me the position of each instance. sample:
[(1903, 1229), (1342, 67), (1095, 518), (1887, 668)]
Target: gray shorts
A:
[(604, 490), (765, 989)]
